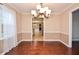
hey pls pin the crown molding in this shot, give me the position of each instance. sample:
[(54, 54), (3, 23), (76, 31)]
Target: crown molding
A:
[(56, 13), (67, 8), (12, 7)]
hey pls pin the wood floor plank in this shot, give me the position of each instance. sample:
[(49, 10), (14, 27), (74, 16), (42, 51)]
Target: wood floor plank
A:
[(40, 48), (75, 48)]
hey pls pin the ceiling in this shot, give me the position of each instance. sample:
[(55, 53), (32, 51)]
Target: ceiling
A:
[(27, 7)]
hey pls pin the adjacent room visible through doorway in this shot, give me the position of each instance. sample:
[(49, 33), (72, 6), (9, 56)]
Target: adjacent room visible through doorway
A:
[(75, 32), (37, 29)]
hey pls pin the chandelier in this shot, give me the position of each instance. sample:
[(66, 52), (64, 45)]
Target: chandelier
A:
[(41, 12)]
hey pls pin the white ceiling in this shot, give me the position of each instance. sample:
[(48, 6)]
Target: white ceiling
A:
[(27, 7)]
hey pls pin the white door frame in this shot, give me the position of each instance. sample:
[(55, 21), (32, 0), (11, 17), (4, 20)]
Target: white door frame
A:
[(43, 30), (70, 26)]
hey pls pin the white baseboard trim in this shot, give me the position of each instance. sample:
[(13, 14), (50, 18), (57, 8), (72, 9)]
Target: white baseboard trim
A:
[(26, 40), (11, 48), (43, 40), (18, 42), (65, 44), (2, 53), (51, 39), (5, 51)]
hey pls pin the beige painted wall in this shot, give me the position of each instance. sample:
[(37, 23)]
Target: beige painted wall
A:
[(52, 28), (19, 26), (52, 24), (64, 28), (26, 23), (26, 26), (18, 22)]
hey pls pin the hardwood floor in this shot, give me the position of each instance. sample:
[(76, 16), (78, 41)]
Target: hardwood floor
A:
[(75, 48), (40, 48)]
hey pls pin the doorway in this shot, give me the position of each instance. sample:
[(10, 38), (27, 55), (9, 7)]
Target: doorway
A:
[(75, 31), (75, 25), (37, 29)]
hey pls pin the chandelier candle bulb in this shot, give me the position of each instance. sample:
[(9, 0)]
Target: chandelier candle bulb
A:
[(33, 12), (48, 11), (38, 7), (45, 8), (41, 10)]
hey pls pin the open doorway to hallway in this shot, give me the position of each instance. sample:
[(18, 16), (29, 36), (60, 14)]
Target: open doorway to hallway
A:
[(75, 32), (37, 29)]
